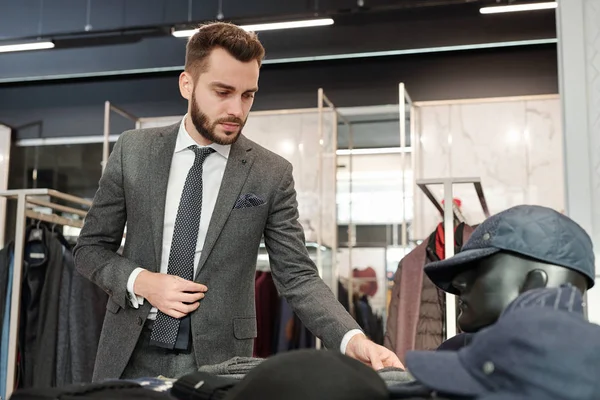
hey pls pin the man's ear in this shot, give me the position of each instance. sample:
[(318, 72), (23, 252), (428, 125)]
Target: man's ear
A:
[(186, 85), (535, 279)]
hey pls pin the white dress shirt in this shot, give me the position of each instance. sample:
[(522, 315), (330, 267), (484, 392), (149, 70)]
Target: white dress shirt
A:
[(212, 175)]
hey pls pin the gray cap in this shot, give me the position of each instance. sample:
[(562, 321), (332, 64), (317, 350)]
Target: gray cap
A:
[(533, 231)]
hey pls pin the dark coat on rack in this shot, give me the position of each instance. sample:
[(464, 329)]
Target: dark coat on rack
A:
[(5, 254), (415, 317)]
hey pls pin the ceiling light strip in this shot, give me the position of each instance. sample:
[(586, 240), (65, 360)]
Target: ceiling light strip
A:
[(5, 48), (268, 26), (519, 7), (291, 60)]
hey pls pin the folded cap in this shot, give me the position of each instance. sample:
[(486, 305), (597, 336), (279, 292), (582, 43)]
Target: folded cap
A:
[(566, 297), (532, 231), (544, 349)]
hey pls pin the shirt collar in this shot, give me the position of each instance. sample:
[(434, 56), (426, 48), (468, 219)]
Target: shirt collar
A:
[(184, 140)]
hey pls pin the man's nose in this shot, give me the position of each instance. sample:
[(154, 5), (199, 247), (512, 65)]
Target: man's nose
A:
[(235, 108)]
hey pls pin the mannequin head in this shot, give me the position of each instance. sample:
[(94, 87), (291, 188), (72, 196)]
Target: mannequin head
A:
[(522, 248), (489, 285)]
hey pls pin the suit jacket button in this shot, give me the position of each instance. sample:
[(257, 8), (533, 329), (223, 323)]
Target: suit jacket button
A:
[(139, 321)]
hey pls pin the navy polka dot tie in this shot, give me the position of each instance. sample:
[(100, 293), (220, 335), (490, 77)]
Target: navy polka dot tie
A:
[(169, 332)]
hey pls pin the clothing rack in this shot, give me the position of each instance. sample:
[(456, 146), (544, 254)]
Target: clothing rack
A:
[(451, 214), (27, 202)]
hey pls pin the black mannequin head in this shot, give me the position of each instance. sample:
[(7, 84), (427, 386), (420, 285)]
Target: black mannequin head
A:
[(489, 285)]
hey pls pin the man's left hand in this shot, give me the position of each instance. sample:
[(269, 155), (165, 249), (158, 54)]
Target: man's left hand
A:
[(374, 355)]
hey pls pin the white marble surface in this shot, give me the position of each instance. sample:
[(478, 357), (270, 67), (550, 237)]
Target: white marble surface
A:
[(545, 166), (592, 41), (513, 146), (296, 138)]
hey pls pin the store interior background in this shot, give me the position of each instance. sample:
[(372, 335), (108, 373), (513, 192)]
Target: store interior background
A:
[(484, 91)]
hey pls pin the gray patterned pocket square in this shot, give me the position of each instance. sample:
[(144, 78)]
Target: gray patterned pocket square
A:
[(248, 200)]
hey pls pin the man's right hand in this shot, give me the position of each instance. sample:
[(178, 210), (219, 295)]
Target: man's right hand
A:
[(171, 294)]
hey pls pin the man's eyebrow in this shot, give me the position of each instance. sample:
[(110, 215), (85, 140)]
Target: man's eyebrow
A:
[(229, 87), (222, 85)]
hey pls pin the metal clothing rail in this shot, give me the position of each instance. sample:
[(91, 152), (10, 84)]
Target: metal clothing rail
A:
[(27, 200), (451, 214)]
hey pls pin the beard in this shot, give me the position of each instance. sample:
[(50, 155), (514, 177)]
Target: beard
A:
[(207, 128)]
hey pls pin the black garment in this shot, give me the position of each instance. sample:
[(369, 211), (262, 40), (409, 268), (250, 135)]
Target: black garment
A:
[(35, 265), (47, 328), (4, 267), (202, 386), (415, 390), (82, 309), (343, 296), (456, 343), (61, 314), (371, 324), (108, 390)]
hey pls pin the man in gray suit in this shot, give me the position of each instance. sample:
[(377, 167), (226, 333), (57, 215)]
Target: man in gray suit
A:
[(197, 197)]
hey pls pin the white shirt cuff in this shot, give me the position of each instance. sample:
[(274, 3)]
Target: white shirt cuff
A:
[(346, 339), (134, 299)]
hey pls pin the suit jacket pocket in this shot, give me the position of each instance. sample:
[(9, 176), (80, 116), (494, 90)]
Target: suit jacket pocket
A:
[(249, 212), (244, 328), (112, 306)]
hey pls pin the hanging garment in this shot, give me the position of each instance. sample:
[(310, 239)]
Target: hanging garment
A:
[(63, 360), (6, 274), (39, 252), (267, 305), (86, 309), (415, 318), (61, 314), (343, 296), (44, 352), (371, 323), (5, 267)]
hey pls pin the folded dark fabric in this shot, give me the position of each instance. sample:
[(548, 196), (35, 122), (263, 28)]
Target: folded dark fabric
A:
[(201, 386), (158, 384), (233, 366), (106, 390), (415, 390), (394, 376)]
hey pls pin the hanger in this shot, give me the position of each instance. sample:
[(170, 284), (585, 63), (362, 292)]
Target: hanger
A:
[(36, 233)]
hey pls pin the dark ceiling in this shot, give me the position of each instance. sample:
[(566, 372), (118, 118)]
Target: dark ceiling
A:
[(441, 49), (113, 37)]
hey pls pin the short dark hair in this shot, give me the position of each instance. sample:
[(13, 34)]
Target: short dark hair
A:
[(241, 44)]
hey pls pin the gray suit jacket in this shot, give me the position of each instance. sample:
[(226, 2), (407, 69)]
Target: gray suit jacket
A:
[(133, 190)]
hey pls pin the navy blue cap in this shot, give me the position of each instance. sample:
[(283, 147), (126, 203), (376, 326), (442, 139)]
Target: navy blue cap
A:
[(543, 349), (532, 231)]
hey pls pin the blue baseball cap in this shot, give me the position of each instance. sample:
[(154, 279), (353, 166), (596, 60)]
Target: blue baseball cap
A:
[(537, 232), (541, 346)]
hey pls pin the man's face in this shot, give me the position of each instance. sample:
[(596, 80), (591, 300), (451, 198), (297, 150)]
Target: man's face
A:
[(221, 98), (486, 290)]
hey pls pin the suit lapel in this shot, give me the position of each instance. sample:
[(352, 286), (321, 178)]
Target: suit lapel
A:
[(160, 161), (238, 166)]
